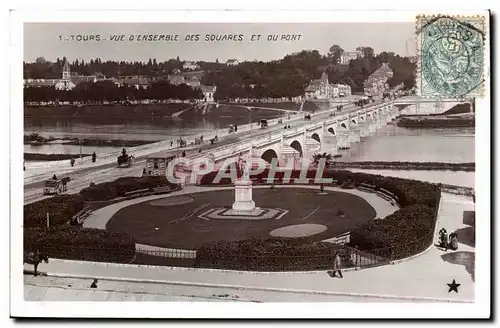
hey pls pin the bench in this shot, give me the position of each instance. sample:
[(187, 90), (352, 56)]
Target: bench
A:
[(137, 193), (82, 215)]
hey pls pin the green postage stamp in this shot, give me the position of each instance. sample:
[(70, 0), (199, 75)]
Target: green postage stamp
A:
[(450, 52)]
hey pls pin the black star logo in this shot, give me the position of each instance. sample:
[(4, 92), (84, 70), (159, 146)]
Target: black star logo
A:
[(453, 286)]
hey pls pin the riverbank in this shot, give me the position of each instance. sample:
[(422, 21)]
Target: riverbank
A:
[(35, 139), (424, 166), (51, 157), (433, 122)]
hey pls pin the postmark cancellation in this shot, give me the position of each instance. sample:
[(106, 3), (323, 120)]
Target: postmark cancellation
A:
[(450, 56)]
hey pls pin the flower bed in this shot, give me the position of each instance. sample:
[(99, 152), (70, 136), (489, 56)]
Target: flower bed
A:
[(81, 244), (60, 208), (119, 187)]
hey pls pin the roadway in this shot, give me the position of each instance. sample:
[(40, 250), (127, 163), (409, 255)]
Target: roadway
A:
[(98, 173)]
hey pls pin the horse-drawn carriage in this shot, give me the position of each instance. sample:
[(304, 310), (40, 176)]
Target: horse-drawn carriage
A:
[(125, 160), (55, 185), (307, 117), (263, 124)]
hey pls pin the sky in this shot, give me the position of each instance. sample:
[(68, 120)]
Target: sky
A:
[(53, 40)]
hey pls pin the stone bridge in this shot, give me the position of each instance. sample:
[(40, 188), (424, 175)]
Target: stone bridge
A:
[(338, 132), (418, 105)]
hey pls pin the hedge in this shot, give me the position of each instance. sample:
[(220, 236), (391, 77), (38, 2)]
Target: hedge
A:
[(271, 254), (120, 186), (85, 244), (61, 209), (404, 232)]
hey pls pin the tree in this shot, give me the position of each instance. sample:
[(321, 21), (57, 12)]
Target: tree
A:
[(368, 52), (325, 159), (335, 53)]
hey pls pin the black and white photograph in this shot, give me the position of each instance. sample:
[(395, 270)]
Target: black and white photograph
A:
[(330, 163)]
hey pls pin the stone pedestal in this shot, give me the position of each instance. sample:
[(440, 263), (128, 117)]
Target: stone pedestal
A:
[(243, 203)]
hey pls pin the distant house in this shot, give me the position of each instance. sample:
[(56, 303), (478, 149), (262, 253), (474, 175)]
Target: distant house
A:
[(346, 57), (190, 66), (175, 79), (319, 88), (232, 62), (194, 81), (136, 82), (208, 92), (341, 90), (377, 82)]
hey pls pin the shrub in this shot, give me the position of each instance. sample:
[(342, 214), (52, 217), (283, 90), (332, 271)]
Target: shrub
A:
[(75, 243), (120, 186), (272, 254), (61, 209), (405, 232)]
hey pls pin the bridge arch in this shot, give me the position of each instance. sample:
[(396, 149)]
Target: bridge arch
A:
[(316, 137), (343, 125), (298, 147), (331, 130), (268, 155), (353, 121)]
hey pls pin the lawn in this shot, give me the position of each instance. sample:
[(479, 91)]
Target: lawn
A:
[(178, 229)]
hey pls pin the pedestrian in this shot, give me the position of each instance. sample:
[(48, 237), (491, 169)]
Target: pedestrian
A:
[(337, 265), (171, 143), (453, 241), (94, 284), (94, 157), (235, 128), (72, 162), (183, 153)]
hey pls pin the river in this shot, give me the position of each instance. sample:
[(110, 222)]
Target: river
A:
[(390, 143)]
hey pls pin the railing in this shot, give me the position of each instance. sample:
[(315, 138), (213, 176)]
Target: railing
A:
[(169, 253)]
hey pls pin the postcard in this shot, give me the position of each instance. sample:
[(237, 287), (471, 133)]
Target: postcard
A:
[(196, 164)]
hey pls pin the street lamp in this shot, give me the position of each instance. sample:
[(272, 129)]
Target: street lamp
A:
[(81, 154)]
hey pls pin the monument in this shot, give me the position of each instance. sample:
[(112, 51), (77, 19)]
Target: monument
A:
[(243, 201), (243, 207)]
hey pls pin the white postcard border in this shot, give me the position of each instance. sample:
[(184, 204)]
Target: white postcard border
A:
[(19, 307)]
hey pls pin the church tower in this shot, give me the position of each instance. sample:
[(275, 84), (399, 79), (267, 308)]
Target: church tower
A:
[(66, 74)]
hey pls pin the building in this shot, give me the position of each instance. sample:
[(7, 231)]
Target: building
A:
[(67, 81), (190, 66), (194, 81), (208, 92), (376, 83), (138, 82), (176, 79), (346, 57), (232, 62), (319, 88), (341, 90)]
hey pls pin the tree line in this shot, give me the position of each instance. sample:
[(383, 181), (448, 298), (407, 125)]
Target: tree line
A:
[(106, 90), (43, 69), (287, 77)]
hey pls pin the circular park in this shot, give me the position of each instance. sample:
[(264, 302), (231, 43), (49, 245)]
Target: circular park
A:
[(368, 219), (287, 213)]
